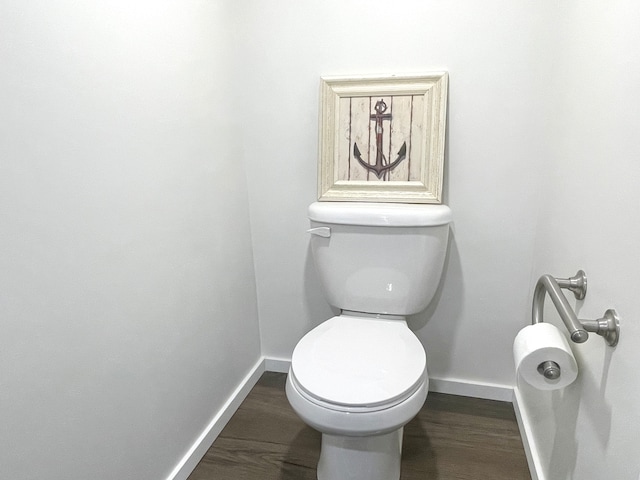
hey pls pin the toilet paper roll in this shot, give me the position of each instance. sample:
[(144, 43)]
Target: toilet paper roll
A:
[(538, 343)]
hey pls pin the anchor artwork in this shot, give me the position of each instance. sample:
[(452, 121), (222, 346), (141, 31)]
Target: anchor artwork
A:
[(382, 138), (382, 167)]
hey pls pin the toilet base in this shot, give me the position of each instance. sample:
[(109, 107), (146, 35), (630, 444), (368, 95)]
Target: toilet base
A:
[(360, 458)]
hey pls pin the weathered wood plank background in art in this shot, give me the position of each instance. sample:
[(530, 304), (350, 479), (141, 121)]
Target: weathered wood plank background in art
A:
[(356, 126)]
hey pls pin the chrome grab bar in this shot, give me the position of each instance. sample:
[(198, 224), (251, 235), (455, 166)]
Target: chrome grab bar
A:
[(607, 327)]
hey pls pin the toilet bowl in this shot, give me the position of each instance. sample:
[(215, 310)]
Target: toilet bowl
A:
[(358, 381), (359, 377)]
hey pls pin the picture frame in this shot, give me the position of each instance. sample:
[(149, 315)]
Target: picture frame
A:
[(382, 138)]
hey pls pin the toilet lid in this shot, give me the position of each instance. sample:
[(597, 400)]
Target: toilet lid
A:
[(355, 361)]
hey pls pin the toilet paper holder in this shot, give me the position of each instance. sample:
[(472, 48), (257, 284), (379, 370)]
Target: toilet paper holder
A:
[(607, 327)]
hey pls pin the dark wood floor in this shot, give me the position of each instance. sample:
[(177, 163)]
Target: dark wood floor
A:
[(452, 438)]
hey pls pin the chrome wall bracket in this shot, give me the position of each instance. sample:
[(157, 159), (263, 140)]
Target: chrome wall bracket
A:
[(576, 284), (607, 327)]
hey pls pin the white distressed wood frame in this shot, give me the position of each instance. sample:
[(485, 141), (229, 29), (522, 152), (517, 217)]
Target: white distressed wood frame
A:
[(349, 100)]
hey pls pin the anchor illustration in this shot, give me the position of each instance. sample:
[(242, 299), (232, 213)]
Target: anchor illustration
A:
[(381, 166)]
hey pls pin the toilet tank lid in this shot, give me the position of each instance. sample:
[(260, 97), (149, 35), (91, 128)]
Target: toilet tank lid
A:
[(380, 214)]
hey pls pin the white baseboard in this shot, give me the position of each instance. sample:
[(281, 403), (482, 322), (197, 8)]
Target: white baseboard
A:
[(465, 388), (528, 441), (211, 431), (280, 365)]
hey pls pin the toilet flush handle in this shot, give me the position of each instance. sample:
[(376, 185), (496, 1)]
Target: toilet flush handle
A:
[(320, 231)]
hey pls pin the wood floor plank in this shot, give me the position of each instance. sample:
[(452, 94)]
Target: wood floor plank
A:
[(451, 438)]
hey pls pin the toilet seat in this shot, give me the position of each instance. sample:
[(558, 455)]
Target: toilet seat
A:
[(358, 364)]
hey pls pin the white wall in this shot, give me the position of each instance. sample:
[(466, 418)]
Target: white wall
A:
[(497, 56), (127, 294), (589, 219)]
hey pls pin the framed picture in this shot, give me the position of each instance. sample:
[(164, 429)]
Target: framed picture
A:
[(382, 138)]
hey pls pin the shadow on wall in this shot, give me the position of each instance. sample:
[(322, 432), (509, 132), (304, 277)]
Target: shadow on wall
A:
[(599, 412), (566, 405), (564, 451), (443, 312), (560, 415)]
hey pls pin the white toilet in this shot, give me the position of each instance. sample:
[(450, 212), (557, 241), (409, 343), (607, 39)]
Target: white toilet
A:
[(359, 377)]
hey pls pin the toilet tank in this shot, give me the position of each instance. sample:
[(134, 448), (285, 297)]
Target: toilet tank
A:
[(379, 258)]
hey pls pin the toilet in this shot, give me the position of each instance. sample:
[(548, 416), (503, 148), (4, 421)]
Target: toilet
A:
[(360, 376)]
